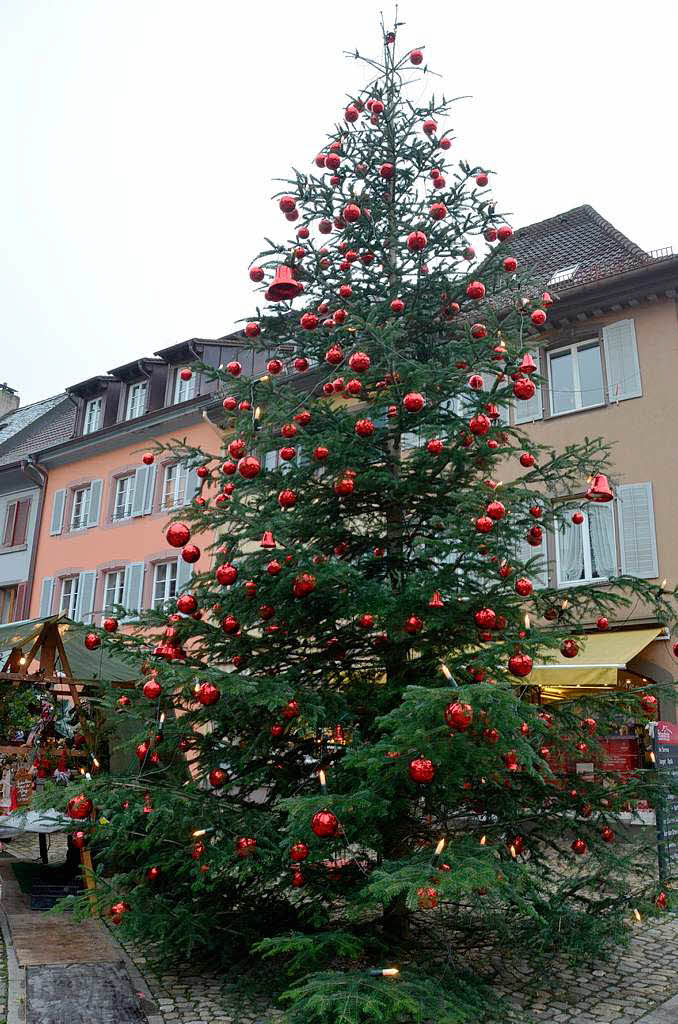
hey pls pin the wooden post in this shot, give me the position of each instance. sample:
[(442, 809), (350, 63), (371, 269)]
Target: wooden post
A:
[(88, 879)]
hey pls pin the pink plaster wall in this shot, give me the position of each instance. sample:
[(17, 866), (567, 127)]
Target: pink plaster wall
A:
[(110, 545)]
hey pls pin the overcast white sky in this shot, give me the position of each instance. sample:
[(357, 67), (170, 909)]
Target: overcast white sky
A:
[(140, 137)]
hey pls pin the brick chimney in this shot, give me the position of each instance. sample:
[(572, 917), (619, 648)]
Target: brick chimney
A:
[(9, 399)]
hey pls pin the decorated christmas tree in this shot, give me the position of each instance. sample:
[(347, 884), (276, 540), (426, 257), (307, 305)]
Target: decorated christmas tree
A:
[(338, 757)]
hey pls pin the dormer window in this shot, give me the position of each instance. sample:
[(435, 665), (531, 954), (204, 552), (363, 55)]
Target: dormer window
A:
[(183, 389), (136, 400), (92, 419), (566, 274)]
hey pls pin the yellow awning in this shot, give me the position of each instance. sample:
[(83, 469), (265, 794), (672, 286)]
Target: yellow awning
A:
[(601, 656)]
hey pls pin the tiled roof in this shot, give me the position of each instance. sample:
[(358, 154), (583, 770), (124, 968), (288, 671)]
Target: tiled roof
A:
[(578, 238), (35, 427)]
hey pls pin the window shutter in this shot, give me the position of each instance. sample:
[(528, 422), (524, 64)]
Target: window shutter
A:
[(84, 605), (95, 489), (149, 491), (21, 523), (20, 612), (46, 595), (525, 412), (637, 537), (192, 484), (10, 519), (184, 574), (57, 522), (140, 477), (539, 571), (271, 459), (621, 361), (133, 587)]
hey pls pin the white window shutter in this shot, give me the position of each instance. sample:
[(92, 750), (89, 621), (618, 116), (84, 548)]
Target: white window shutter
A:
[(84, 605), (637, 537), (95, 489), (149, 489), (526, 412), (184, 574), (271, 459), (46, 595), (140, 477), (192, 485), (133, 587), (621, 361), (58, 504), (539, 573)]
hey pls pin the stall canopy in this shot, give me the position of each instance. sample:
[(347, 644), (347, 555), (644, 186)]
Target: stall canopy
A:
[(85, 666), (601, 657)]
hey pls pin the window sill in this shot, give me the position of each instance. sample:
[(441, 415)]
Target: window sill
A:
[(14, 549), (576, 412), (599, 581)]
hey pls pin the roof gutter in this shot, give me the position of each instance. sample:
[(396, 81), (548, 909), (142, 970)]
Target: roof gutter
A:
[(28, 465)]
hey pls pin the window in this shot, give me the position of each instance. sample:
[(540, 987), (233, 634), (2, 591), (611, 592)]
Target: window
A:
[(136, 400), (164, 583), (16, 524), (8, 597), (92, 420), (69, 596), (80, 510), (586, 552), (114, 585), (174, 485), (183, 389), (576, 377), (564, 275), (124, 497)]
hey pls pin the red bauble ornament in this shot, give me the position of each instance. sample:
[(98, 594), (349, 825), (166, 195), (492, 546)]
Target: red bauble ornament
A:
[(301, 364), (510, 264), (191, 553), (523, 586), (496, 510), (178, 534), (207, 693), (229, 403), (476, 290), (110, 625), (480, 424), (148, 458), (386, 171), (79, 807), (153, 874), (476, 382), (413, 624), (299, 852), (459, 716), (324, 824), (309, 321), (429, 126), (504, 232), (524, 388), (417, 241), (359, 362), (421, 769), (538, 317), (334, 355), (427, 898), (92, 641), (79, 840), (344, 486), (217, 778), (520, 664), (249, 467), (252, 331), (579, 847), (287, 499), (256, 274), (438, 211), (230, 624), (304, 584), (569, 648), (152, 689), (351, 213), (607, 834), (273, 567), (527, 460), (602, 623), (124, 701), (364, 428), (277, 730), (345, 291), (485, 618), (366, 621), (577, 518), (234, 368), (351, 114), (484, 524), (416, 57), (226, 574), (534, 536), (321, 452), (491, 735), (435, 446), (648, 702), (414, 402), (245, 846), (662, 901)]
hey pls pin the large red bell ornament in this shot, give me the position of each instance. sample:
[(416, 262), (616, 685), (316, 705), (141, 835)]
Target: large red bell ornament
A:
[(528, 364), (600, 489), (283, 286), (268, 540)]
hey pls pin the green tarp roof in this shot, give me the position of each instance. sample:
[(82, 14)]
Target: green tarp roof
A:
[(84, 664)]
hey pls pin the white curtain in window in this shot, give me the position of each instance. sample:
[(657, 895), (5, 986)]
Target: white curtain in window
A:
[(570, 552), (603, 550)]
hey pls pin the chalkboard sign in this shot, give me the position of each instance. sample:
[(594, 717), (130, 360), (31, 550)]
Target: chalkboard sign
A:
[(666, 757)]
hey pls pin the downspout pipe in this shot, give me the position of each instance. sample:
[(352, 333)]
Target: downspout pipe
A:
[(29, 467)]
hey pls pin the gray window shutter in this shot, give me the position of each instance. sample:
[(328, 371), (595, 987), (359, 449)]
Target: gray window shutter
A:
[(84, 605), (539, 572), (57, 521), (637, 538), (140, 477), (133, 587), (149, 490), (526, 412), (95, 489), (621, 361), (184, 574), (46, 595), (192, 485)]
